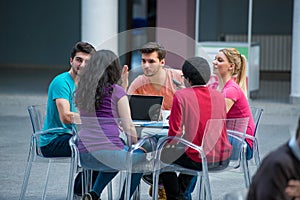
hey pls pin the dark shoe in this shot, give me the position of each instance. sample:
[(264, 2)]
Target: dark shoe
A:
[(90, 196)]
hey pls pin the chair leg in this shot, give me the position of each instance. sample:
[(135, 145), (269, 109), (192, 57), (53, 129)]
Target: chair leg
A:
[(257, 160), (136, 194), (109, 190), (206, 186), (257, 157), (86, 180), (72, 176), (201, 194), (201, 189), (155, 184), (46, 181), (26, 178), (245, 169), (128, 175), (122, 180), (127, 185)]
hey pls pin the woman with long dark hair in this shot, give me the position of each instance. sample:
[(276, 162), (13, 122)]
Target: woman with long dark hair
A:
[(99, 95)]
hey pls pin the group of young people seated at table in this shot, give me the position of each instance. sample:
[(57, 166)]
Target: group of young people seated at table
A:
[(192, 104), (188, 93)]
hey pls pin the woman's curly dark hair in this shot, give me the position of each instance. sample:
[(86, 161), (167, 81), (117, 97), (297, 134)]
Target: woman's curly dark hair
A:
[(103, 70)]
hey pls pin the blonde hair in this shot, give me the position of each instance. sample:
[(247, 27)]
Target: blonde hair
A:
[(240, 64)]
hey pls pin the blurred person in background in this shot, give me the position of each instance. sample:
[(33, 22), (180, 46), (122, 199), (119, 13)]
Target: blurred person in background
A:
[(278, 176)]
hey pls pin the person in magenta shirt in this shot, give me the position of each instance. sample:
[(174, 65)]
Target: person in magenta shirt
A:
[(230, 67)]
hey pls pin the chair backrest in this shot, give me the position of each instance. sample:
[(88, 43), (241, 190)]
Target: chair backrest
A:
[(256, 114), (37, 114), (212, 139), (236, 129)]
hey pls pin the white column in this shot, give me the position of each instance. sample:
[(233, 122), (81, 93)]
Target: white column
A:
[(100, 23), (295, 69)]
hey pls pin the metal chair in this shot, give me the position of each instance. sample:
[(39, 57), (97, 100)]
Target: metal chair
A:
[(256, 114), (236, 129), (108, 158), (37, 115), (87, 174)]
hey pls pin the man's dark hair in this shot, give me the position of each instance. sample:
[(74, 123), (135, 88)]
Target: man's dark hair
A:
[(197, 70), (82, 47), (151, 47)]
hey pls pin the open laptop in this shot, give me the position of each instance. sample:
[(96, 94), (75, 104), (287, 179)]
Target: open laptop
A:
[(145, 109)]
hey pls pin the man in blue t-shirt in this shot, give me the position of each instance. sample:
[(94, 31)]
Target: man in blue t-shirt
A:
[(61, 107)]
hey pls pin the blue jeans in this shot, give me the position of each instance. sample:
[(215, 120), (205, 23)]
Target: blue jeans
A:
[(104, 178), (190, 189), (249, 150)]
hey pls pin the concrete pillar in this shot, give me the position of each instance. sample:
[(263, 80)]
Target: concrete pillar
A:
[(177, 16), (100, 23), (295, 69)]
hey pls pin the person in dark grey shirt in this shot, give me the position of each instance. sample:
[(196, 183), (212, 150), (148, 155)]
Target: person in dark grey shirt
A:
[(278, 177)]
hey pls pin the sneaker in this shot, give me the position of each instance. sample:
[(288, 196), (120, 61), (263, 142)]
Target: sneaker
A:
[(90, 196), (161, 193)]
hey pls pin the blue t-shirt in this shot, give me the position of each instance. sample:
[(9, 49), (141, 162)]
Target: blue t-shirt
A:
[(62, 86)]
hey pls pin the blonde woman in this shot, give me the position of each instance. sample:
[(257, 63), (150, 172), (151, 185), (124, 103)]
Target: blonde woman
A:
[(230, 68)]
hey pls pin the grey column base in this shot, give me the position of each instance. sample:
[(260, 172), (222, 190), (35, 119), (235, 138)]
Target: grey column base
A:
[(294, 100)]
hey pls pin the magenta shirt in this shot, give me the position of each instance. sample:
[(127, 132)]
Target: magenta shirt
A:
[(240, 108), (102, 133)]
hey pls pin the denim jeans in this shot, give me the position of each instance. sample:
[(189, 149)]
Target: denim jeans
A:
[(104, 177), (249, 150), (189, 190)]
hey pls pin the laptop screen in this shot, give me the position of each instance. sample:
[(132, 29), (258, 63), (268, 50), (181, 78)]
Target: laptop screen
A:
[(146, 108)]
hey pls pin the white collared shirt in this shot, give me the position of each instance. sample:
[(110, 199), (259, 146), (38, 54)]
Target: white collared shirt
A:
[(293, 144)]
